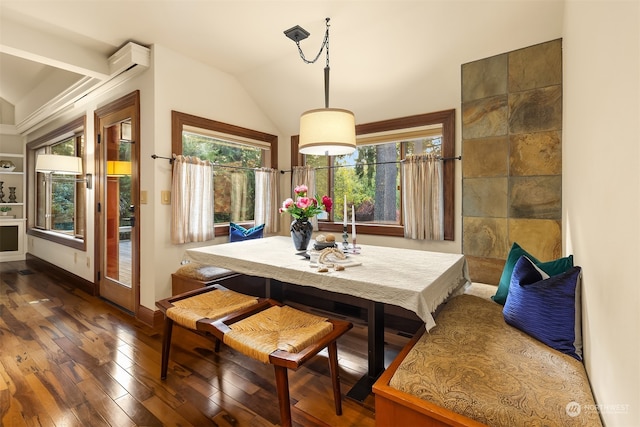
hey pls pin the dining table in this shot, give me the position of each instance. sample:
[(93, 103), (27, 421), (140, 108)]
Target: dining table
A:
[(416, 280)]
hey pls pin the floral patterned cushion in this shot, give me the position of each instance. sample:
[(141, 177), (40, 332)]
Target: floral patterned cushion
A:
[(474, 364)]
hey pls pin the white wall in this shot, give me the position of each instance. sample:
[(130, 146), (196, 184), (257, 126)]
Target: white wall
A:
[(80, 263), (173, 82), (187, 86), (601, 189)]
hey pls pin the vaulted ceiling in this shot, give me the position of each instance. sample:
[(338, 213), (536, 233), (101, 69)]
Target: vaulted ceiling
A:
[(378, 49)]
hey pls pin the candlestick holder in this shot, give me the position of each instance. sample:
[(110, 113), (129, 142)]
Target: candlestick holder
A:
[(355, 249), (345, 239)]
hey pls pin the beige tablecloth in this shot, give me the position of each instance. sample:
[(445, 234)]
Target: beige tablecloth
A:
[(416, 280)]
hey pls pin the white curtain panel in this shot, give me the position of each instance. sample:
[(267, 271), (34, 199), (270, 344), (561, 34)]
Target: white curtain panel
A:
[(267, 200), (305, 175), (423, 202), (239, 192), (191, 201)]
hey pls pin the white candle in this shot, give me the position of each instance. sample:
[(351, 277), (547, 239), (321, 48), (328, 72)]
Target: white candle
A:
[(353, 224), (344, 215)]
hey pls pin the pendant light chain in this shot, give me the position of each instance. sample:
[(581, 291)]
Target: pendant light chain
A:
[(325, 43)]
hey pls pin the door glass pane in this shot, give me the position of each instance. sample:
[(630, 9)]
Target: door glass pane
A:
[(119, 216)]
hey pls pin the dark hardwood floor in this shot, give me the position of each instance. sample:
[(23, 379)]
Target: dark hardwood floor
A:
[(70, 359)]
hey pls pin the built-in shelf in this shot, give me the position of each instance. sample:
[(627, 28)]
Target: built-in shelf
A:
[(12, 225)]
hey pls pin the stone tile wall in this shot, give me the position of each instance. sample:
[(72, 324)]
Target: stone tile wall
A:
[(512, 157)]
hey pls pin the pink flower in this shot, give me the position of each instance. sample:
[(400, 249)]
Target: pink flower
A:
[(305, 207), (287, 204), (327, 202), (304, 202)]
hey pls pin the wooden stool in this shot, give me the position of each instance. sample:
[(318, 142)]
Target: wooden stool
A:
[(286, 338), (196, 310)]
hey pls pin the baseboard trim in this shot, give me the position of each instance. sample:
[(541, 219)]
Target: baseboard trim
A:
[(70, 278), (153, 318)]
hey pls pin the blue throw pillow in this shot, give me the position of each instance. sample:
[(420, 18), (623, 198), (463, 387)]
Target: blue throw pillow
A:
[(552, 268), (547, 308), (238, 233)]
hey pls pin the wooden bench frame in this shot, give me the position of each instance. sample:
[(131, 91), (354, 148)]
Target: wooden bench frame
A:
[(280, 359), (396, 408)]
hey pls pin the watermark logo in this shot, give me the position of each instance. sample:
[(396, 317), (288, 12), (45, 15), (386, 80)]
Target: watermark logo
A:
[(573, 409)]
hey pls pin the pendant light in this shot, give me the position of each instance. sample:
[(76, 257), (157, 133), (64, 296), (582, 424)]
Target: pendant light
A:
[(324, 131)]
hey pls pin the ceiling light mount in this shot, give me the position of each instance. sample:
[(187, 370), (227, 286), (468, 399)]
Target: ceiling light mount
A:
[(297, 33), (325, 131)]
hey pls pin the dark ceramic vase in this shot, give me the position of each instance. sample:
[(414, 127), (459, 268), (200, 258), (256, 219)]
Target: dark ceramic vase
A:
[(301, 230)]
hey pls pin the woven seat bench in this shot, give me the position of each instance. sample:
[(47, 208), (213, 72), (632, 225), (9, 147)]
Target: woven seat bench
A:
[(262, 329)]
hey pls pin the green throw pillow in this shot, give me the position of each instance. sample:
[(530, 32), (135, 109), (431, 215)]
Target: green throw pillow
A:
[(552, 268)]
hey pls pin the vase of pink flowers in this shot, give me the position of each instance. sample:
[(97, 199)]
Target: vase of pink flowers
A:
[(302, 209)]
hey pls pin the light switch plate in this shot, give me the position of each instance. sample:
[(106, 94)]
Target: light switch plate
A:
[(143, 197), (165, 197)]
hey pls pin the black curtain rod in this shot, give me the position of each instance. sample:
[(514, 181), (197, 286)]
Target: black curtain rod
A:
[(369, 164), (215, 165), (155, 156)]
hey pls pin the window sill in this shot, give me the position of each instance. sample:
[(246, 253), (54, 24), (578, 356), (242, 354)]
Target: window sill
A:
[(372, 229), (52, 236)]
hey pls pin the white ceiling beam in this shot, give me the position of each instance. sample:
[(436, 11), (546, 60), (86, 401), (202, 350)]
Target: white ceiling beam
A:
[(34, 45)]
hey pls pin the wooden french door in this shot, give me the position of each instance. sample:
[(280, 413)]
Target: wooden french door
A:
[(117, 202)]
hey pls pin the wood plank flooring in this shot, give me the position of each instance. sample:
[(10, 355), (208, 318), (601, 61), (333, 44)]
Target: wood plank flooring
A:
[(71, 359)]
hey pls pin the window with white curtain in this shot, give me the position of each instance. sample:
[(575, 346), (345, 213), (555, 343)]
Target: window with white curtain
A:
[(235, 152), (371, 177)]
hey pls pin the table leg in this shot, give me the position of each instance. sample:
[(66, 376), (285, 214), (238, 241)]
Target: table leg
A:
[(375, 316)]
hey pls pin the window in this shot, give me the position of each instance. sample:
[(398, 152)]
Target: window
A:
[(58, 211), (370, 177), (238, 151)]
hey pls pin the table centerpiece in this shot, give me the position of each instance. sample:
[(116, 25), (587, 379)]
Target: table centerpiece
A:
[(302, 209)]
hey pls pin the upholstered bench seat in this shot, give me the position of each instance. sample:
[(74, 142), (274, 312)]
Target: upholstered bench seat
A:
[(195, 275), (474, 369)]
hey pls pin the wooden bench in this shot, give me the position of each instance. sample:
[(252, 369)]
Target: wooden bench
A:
[(473, 369), (262, 329), (193, 276)]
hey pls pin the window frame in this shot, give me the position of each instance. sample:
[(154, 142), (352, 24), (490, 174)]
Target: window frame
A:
[(180, 120), (446, 119), (72, 129)]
